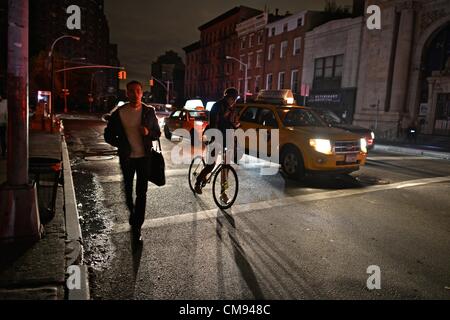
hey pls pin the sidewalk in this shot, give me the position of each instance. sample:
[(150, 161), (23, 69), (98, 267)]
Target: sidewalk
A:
[(38, 271), (433, 147)]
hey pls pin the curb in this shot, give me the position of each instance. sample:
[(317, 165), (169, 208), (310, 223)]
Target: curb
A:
[(74, 241), (411, 151)]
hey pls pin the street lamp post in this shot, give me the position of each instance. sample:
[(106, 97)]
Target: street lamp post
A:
[(246, 75), (52, 61), (166, 87)]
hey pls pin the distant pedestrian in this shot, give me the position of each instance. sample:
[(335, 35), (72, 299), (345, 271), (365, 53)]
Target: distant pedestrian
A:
[(132, 128), (3, 125)]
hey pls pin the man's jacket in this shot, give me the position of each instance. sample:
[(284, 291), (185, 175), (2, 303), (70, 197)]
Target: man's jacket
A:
[(115, 133), (217, 117)]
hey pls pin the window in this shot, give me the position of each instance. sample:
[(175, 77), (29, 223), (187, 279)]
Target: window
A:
[(283, 50), (319, 68), (175, 115), (281, 77), (273, 32), (329, 67), (299, 22), (243, 43), (257, 83), (269, 82), (339, 66), (250, 40), (285, 27), (294, 81), (250, 115), (250, 61), (259, 57), (297, 46), (260, 37), (266, 118), (271, 52)]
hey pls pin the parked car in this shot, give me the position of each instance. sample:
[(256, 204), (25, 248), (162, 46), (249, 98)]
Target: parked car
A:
[(335, 121)]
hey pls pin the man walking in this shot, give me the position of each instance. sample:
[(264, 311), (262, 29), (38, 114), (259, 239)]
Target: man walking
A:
[(132, 128), (3, 125), (222, 117)]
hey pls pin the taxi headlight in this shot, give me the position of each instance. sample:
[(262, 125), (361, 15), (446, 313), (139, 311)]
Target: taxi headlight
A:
[(364, 145), (199, 123), (321, 145), (373, 135)]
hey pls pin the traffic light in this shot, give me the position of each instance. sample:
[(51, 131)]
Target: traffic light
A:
[(152, 82), (123, 75)]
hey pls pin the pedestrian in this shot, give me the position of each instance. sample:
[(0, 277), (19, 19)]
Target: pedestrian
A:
[(222, 117), (132, 128), (3, 125)]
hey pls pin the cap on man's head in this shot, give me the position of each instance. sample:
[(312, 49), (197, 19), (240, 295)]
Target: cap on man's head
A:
[(231, 92)]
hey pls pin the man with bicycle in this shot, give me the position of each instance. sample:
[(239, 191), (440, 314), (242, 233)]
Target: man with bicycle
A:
[(222, 117)]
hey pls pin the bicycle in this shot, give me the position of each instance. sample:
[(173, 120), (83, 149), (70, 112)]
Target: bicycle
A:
[(222, 190)]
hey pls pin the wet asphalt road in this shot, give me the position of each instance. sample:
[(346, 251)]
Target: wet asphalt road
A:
[(282, 239)]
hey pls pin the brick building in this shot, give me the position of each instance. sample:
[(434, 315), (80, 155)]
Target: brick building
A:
[(193, 70), (284, 50), (3, 44), (218, 39), (252, 38)]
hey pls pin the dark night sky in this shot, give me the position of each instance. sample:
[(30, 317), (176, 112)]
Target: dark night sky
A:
[(146, 29)]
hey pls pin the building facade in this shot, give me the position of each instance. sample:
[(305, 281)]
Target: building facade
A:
[(218, 39), (284, 51), (404, 69), (330, 65), (193, 70), (94, 46), (3, 45)]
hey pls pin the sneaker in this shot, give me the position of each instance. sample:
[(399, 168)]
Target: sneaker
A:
[(137, 236), (198, 189), (224, 198)]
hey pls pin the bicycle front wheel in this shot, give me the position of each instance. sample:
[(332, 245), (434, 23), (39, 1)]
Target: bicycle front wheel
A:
[(225, 191), (197, 166)]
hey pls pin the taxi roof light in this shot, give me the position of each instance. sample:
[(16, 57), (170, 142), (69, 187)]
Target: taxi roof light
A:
[(282, 97)]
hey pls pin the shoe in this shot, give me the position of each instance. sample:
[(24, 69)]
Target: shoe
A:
[(198, 189), (137, 236), (224, 198)]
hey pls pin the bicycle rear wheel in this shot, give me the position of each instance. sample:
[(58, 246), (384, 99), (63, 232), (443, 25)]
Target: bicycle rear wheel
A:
[(225, 194), (197, 165)]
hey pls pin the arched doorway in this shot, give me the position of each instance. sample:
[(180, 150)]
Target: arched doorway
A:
[(430, 69)]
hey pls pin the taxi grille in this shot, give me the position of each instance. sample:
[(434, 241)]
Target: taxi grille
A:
[(344, 147)]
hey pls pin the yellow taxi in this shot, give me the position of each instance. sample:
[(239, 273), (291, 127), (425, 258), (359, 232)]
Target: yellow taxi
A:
[(194, 121), (306, 143)]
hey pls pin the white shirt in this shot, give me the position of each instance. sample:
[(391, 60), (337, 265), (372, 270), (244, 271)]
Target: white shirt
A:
[(3, 112), (132, 122)]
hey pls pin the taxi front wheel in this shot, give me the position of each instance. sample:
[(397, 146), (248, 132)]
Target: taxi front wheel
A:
[(292, 163)]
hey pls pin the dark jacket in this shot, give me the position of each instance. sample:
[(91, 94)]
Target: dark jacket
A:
[(115, 133), (217, 119)]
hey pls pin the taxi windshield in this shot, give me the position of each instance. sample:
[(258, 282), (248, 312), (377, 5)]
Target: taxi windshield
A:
[(198, 115), (328, 116), (300, 118)]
